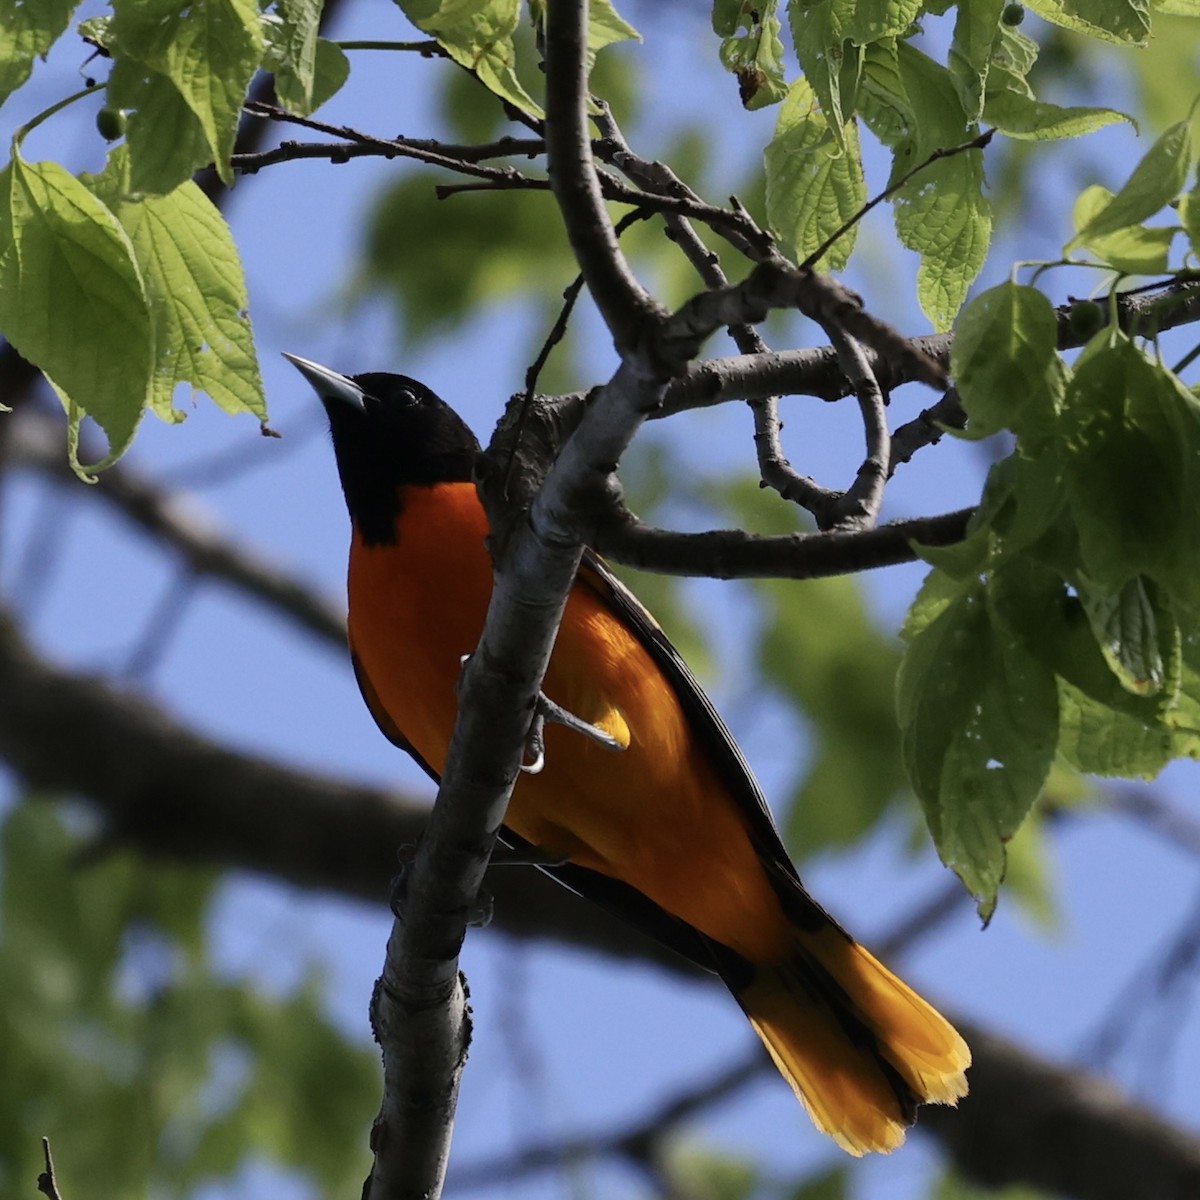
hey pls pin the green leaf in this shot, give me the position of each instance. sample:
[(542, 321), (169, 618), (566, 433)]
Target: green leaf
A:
[(1155, 181), (1136, 249), (942, 212), (1131, 629), (1104, 727), (1110, 742), (202, 54), (197, 292), (478, 35), (866, 21), (1120, 21), (1005, 363), (166, 140), (883, 96), (116, 1024), (72, 300), (1133, 441), (831, 61), (606, 27), (30, 29), (1189, 214), (971, 52), (1013, 56), (752, 49), (1019, 116), (813, 186), (308, 69), (979, 720)]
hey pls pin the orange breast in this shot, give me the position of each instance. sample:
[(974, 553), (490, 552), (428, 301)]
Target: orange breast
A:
[(654, 815)]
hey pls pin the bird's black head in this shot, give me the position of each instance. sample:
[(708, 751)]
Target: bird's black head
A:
[(388, 430)]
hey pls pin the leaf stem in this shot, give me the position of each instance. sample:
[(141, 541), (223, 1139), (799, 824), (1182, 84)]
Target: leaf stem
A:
[(32, 124)]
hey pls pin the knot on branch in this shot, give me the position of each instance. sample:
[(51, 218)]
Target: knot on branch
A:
[(527, 440)]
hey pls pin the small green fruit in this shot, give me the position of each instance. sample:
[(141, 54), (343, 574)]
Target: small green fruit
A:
[(111, 123), (1013, 15)]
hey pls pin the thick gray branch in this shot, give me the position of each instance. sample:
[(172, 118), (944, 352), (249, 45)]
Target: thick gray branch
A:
[(170, 792), (420, 1012), (622, 301)]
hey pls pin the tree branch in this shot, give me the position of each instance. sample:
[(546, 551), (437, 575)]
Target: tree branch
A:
[(859, 507), (419, 1008), (735, 554), (172, 793), (623, 302)]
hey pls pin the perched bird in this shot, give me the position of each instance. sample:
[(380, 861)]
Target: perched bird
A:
[(672, 833)]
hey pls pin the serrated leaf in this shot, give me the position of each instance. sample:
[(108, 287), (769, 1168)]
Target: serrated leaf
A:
[(1131, 456), (979, 720), (831, 62), (478, 35), (606, 27), (1020, 116), (1120, 21), (167, 143), (194, 281), (1156, 180), (30, 29), (72, 300), (813, 187), (1189, 215), (866, 21), (1136, 249), (971, 51), (308, 69), (1131, 630), (752, 49), (942, 212), (1014, 53), (207, 49), (1005, 362), (883, 96), (1104, 741)]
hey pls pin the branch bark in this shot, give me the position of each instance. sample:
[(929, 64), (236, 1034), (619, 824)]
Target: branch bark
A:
[(170, 792)]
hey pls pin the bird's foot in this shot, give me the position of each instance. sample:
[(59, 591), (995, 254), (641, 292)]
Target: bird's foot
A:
[(547, 712)]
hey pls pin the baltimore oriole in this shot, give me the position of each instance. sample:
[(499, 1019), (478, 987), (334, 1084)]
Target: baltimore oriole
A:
[(673, 833)]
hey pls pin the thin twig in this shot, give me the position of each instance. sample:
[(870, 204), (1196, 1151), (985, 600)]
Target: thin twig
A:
[(421, 150), (443, 154), (46, 1182)]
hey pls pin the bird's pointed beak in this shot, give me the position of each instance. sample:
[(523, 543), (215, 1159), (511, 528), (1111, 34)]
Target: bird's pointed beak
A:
[(332, 387)]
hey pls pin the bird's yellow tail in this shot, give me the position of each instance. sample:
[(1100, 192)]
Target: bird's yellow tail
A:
[(860, 1048)]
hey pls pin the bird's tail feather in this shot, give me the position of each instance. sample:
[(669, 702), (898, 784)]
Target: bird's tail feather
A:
[(860, 1048)]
